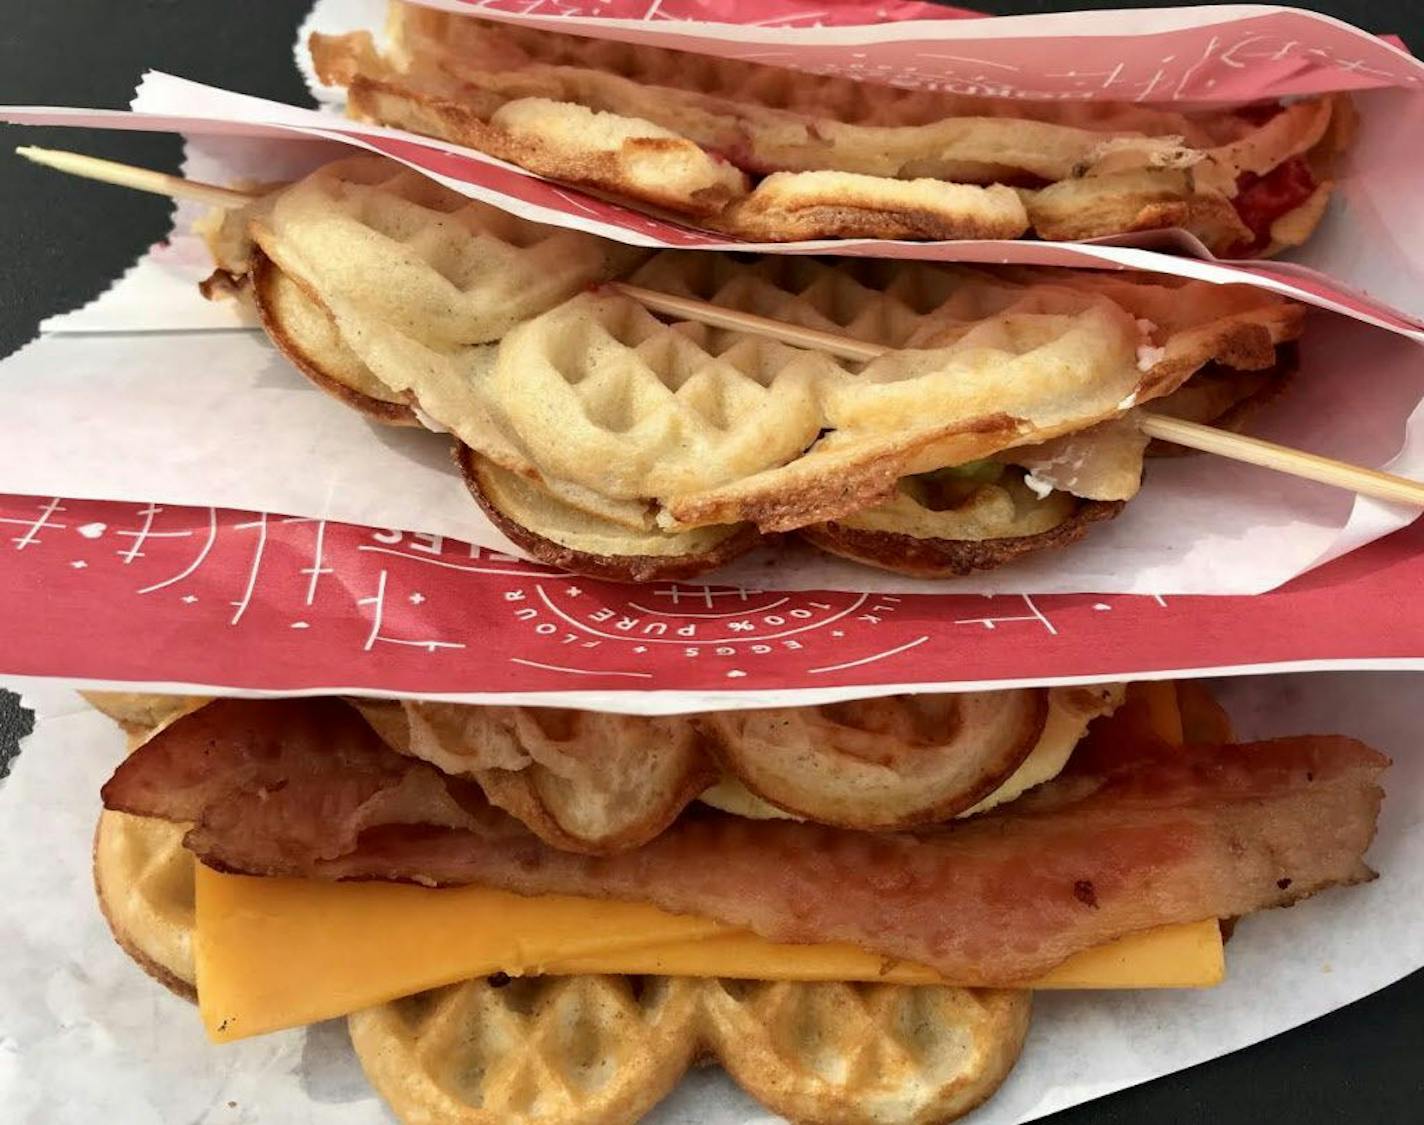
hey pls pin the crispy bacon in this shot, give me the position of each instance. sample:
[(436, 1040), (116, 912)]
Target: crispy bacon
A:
[(1115, 845)]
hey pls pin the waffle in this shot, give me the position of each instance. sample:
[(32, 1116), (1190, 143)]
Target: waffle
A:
[(803, 206), (1121, 167), (142, 713), (605, 783), (415, 279), (365, 273), (305, 332), (889, 763), (619, 154), (610, 442), (583, 780), (1005, 360), (143, 877), (926, 531), (603, 1050), (386, 243), (590, 544)]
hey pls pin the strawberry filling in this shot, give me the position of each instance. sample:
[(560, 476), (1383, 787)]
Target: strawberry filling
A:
[(1261, 200)]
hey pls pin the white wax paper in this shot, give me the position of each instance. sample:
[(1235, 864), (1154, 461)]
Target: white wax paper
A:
[(85, 1036)]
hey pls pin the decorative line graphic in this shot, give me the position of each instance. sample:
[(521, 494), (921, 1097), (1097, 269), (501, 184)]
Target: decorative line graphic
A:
[(457, 566), (261, 524), (872, 658), (378, 600), (197, 562), (140, 537), (34, 527), (579, 671), (316, 570), (708, 594), (1034, 614)]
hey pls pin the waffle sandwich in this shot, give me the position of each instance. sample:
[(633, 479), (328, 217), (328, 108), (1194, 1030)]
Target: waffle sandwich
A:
[(1075, 840), (616, 443), (772, 155)]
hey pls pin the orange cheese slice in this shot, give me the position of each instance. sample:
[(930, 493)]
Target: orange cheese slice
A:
[(1164, 711), (275, 953)]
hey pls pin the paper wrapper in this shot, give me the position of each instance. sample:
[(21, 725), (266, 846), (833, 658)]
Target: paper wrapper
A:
[(205, 599), (86, 1035), (1201, 526)]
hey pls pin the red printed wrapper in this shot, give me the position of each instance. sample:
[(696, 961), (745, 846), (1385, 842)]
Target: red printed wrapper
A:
[(196, 599)]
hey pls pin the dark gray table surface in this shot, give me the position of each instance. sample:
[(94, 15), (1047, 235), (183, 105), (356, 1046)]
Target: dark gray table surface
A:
[(66, 239)]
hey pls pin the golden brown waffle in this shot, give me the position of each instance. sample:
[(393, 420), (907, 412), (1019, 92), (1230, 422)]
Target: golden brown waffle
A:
[(584, 543), (608, 441), (368, 275), (457, 271), (304, 331), (721, 428), (605, 1050), (143, 877), (928, 530), (892, 762), (599, 783), (583, 780), (142, 713), (602, 106), (803, 206)]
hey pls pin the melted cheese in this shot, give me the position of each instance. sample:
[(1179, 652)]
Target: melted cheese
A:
[(275, 953)]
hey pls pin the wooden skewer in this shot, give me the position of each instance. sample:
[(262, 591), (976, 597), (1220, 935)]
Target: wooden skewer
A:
[(704, 312), (141, 179), (1282, 458), (1194, 435)]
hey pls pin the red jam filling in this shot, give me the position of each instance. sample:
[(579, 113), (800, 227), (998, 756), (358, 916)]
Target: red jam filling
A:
[(1261, 200)]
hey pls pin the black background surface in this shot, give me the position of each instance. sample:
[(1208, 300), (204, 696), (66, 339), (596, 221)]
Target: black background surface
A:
[(65, 239)]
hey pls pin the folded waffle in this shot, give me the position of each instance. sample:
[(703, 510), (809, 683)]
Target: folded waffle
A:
[(602, 783), (773, 154), (602, 439), (636, 1036), (721, 427), (599, 783)]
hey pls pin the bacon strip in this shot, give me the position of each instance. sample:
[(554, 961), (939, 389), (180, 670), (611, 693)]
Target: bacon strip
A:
[(1115, 845)]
